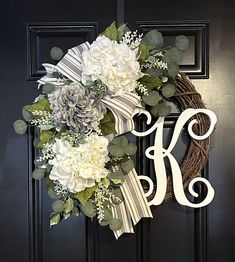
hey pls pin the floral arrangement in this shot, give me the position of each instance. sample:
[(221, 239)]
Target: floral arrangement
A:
[(86, 105)]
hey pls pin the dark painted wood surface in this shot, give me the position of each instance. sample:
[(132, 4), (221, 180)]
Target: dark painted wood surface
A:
[(176, 233)]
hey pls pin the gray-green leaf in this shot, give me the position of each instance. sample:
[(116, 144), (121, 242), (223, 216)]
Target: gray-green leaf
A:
[(26, 114), (89, 209), (152, 98), (127, 165), (115, 224), (168, 90), (58, 206), (116, 150), (153, 38), (68, 207), (38, 173), (48, 88), (182, 42), (20, 126), (56, 53)]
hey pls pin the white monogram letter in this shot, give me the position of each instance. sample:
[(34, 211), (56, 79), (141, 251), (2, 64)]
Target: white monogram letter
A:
[(157, 154)]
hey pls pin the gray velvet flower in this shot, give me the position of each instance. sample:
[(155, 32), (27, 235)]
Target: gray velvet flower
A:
[(72, 106)]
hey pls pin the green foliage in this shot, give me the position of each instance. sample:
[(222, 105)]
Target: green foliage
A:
[(106, 182), (45, 137), (182, 42), (162, 110), (56, 53), (115, 224), (69, 205), (20, 126), (117, 177), (55, 220), (121, 30), (173, 69), (127, 165), (85, 195), (52, 194), (152, 98), (26, 114), (89, 209), (48, 88), (107, 124), (116, 150), (38, 173), (173, 55), (58, 206), (131, 149), (153, 38), (168, 90), (144, 52), (42, 104), (111, 32), (151, 82)]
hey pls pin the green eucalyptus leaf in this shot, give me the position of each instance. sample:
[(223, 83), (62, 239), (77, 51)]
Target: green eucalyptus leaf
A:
[(131, 149), (182, 42), (173, 69), (26, 114), (75, 211), (84, 195), (155, 72), (152, 98), (173, 55), (52, 194), (56, 53), (153, 38), (127, 165), (104, 223), (89, 209), (58, 206), (164, 109), (116, 150), (115, 224), (48, 88), (68, 207), (120, 141), (144, 52), (154, 110), (111, 32), (168, 90), (38, 173), (117, 177), (107, 214), (20, 126), (46, 127), (55, 220)]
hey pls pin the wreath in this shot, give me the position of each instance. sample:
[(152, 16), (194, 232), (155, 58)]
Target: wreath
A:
[(86, 105)]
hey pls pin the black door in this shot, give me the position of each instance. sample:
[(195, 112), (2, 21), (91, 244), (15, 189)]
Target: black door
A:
[(29, 30)]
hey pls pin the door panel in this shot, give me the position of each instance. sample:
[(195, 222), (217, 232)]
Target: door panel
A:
[(176, 233)]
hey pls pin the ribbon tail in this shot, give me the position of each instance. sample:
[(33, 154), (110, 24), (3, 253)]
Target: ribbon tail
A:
[(120, 211), (135, 205)]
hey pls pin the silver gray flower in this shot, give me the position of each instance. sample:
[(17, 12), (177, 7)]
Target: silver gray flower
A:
[(73, 106)]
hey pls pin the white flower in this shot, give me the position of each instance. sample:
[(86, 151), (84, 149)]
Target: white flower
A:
[(77, 168), (114, 64)]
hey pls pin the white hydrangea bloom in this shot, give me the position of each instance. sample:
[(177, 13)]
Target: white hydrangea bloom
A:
[(114, 64), (77, 168)]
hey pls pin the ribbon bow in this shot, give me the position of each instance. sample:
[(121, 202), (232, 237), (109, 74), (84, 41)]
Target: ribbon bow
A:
[(135, 205)]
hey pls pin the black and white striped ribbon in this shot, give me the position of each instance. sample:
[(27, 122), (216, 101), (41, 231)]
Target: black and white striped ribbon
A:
[(135, 204)]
